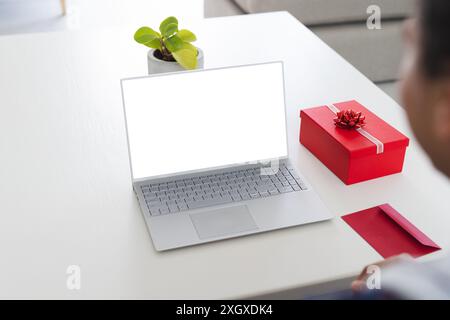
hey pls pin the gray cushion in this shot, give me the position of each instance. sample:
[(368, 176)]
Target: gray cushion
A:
[(219, 8), (376, 53), (391, 89), (313, 12)]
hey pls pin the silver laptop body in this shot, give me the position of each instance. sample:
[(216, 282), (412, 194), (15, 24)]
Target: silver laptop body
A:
[(209, 155)]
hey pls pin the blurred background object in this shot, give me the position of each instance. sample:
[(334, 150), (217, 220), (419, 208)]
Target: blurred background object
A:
[(63, 6), (29, 16), (20, 16), (342, 24)]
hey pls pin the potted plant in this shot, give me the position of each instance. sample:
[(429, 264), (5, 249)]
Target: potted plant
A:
[(171, 48)]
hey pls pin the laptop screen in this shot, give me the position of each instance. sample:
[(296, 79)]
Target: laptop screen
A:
[(212, 118)]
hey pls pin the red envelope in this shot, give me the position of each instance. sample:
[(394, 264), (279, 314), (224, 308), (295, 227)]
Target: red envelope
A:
[(389, 233)]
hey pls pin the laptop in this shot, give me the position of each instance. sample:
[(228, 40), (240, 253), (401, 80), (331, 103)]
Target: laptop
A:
[(209, 155)]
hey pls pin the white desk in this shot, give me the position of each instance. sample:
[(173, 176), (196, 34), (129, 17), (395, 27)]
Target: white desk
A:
[(66, 196)]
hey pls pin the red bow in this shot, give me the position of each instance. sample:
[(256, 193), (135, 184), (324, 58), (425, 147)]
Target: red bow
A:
[(349, 119)]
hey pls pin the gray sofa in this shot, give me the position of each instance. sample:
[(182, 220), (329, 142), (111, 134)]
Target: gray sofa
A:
[(342, 25)]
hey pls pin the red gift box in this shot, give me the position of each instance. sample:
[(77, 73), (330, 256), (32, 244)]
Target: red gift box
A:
[(354, 155)]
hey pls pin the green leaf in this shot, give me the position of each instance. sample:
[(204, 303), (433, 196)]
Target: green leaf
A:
[(168, 25), (188, 46), (187, 56), (145, 34), (174, 43), (170, 30), (155, 44), (186, 35)]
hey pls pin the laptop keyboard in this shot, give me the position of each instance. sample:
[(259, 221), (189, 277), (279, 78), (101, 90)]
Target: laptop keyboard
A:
[(214, 189)]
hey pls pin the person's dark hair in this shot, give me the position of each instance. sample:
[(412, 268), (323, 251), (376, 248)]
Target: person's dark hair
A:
[(435, 28)]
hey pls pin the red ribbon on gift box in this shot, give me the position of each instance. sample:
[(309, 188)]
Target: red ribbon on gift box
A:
[(358, 127), (349, 119)]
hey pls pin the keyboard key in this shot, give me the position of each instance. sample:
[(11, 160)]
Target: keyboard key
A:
[(163, 198), (198, 198), (236, 197), (251, 190), (158, 207), (242, 190), (153, 203), (150, 196), (245, 196), (286, 189), (263, 188), (154, 212), (164, 210), (208, 190), (181, 195), (303, 186), (209, 202)]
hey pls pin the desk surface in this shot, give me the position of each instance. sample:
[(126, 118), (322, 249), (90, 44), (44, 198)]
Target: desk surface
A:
[(66, 196)]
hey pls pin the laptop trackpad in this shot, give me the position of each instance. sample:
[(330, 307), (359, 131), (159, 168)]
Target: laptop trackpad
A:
[(223, 222)]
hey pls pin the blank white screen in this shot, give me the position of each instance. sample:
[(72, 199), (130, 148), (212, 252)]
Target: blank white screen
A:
[(198, 120)]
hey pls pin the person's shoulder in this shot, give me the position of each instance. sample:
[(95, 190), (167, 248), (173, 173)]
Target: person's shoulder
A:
[(442, 262)]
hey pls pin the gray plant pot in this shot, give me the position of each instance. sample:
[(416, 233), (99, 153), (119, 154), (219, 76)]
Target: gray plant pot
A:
[(156, 65)]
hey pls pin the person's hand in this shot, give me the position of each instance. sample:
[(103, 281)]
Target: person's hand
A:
[(360, 283)]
